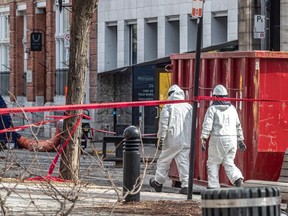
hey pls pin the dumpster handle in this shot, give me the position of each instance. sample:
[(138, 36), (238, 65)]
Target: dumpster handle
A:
[(157, 112)]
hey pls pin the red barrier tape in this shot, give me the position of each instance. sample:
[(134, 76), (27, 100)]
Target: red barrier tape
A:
[(145, 135), (89, 106), (36, 124), (54, 162), (52, 166), (110, 105), (124, 104), (46, 178), (209, 98), (104, 131)]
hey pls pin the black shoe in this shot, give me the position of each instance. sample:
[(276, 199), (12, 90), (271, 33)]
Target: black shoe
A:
[(184, 190), (155, 185), (239, 182)]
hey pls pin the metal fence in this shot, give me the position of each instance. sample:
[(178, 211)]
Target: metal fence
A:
[(61, 81), (4, 83)]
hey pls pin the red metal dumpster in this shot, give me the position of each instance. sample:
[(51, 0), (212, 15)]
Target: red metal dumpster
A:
[(253, 75)]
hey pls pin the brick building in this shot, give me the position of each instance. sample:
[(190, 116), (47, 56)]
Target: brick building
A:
[(36, 74)]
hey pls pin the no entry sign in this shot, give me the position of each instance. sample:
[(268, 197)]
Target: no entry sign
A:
[(197, 8)]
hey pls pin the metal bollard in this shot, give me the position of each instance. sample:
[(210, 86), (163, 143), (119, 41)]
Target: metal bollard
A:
[(131, 164)]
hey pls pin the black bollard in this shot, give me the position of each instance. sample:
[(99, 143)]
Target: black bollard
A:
[(131, 164)]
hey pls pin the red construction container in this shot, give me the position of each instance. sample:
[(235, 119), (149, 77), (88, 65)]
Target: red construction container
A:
[(253, 75)]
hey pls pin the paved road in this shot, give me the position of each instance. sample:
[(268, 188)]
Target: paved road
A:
[(36, 198)]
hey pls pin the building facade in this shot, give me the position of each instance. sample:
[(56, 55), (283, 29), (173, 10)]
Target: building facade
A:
[(134, 35), (132, 32), (34, 54), (130, 42)]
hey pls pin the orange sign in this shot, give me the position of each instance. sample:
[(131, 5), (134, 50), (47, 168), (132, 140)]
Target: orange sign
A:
[(197, 8)]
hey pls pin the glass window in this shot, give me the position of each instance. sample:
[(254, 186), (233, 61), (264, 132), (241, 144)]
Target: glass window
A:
[(111, 47), (150, 39), (219, 27), (4, 53), (7, 26), (62, 38), (62, 35), (6, 56), (133, 44), (4, 41), (66, 20)]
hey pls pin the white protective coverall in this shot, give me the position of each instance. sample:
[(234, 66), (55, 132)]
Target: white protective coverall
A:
[(222, 124), (175, 132)]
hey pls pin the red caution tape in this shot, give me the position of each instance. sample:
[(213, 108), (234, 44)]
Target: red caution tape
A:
[(89, 106), (36, 124), (54, 162), (209, 98), (124, 104), (47, 178)]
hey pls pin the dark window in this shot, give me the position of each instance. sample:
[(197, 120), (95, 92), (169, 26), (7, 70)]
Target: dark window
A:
[(133, 43)]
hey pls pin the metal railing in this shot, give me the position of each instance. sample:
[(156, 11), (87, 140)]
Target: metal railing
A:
[(61, 81), (4, 83)]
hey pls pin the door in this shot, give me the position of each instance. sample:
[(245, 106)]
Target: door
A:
[(144, 85)]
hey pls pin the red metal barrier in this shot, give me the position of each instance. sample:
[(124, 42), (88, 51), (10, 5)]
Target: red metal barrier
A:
[(252, 74)]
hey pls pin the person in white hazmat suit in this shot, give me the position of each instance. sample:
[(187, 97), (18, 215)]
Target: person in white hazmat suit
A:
[(222, 124), (174, 137)]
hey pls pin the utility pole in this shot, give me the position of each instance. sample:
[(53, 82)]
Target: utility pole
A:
[(197, 11)]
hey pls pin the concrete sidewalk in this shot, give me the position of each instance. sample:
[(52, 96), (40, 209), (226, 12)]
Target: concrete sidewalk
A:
[(42, 198), (34, 198)]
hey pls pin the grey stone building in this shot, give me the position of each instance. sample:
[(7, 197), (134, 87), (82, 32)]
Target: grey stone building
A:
[(138, 36), (135, 40)]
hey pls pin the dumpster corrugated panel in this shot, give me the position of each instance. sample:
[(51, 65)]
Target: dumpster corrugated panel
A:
[(253, 75), (273, 125)]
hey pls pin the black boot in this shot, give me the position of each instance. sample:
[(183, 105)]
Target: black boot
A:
[(239, 182), (184, 190), (155, 185)]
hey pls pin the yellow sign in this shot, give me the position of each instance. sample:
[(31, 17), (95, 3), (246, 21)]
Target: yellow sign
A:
[(164, 85)]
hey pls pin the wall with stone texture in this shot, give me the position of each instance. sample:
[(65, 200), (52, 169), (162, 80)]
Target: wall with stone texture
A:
[(122, 82)]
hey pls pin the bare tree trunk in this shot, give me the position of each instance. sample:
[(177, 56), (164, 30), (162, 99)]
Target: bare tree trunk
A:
[(82, 13)]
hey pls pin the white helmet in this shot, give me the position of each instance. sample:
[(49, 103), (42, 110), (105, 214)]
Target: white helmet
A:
[(220, 90)]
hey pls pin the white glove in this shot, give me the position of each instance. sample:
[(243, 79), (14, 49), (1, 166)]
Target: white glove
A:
[(203, 144)]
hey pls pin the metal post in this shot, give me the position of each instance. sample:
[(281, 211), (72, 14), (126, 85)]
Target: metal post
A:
[(195, 105), (131, 164), (115, 119)]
